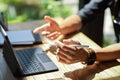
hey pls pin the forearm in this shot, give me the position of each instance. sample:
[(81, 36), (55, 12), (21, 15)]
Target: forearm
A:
[(71, 24), (108, 53)]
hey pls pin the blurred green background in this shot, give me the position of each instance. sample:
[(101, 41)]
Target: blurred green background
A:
[(25, 10)]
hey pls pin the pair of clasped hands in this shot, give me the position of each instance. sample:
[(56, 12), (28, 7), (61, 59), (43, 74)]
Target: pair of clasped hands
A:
[(65, 53)]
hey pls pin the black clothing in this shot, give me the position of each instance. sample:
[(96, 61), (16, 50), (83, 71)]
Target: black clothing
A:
[(95, 7), (116, 20), (92, 9), (94, 28)]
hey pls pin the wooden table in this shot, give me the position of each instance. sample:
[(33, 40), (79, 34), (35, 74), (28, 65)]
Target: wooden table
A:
[(110, 70)]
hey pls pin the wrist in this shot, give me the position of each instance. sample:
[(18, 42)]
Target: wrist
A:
[(91, 57)]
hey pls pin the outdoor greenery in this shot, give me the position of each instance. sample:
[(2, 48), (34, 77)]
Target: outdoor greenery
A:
[(22, 10)]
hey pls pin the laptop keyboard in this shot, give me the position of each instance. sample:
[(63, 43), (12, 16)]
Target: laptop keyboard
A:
[(30, 60)]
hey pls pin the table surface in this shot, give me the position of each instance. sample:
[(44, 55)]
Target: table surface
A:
[(110, 71)]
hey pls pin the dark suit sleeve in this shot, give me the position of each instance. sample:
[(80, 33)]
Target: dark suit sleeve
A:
[(92, 9)]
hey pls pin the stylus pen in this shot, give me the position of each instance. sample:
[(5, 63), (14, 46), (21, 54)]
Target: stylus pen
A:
[(79, 45), (74, 45)]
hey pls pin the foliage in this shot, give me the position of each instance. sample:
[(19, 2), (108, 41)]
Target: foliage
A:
[(56, 9), (22, 11)]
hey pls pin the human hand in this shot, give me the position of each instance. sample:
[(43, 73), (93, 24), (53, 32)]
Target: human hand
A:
[(85, 73), (50, 30), (68, 54)]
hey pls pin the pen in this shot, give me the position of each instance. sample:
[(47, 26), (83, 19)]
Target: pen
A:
[(79, 45), (73, 45)]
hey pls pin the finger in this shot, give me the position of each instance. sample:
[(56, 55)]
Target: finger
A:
[(41, 28), (70, 75), (70, 41), (68, 48), (56, 35), (67, 51), (64, 60), (67, 54), (53, 35), (59, 44), (67, 41), (63, 46), (45, 33), (49, 19), (59, 59)]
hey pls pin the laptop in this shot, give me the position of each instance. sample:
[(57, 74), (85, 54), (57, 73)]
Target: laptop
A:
[(26, 61), (20, 37)]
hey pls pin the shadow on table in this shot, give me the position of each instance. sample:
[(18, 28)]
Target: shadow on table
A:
[(108, 70)]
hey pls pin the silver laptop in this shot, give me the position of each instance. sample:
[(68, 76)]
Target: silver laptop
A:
[(26, 61)]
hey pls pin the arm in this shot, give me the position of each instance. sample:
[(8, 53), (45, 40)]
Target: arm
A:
[(108, 53), (73, 23), (85, 15), (67, 54)]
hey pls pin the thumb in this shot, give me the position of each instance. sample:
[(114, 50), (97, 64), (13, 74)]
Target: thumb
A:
[(49, 19)]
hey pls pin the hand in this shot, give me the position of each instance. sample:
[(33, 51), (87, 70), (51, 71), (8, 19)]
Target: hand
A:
[(86, 73), (50, 30), (68, 54)]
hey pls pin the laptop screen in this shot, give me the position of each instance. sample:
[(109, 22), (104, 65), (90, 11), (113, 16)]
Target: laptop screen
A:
[(8, 52)]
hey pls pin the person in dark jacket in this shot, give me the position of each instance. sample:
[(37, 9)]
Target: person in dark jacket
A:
[(67, 54), (87, 14), (92, 27)]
